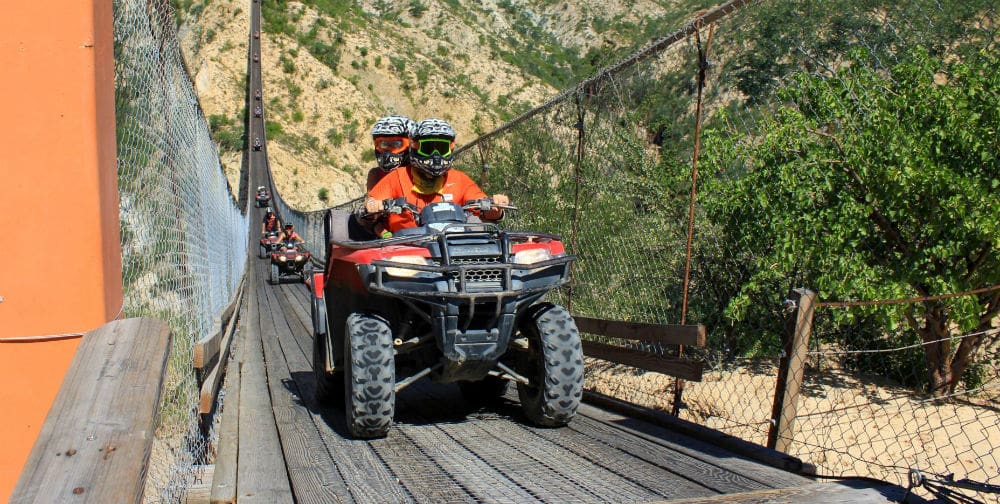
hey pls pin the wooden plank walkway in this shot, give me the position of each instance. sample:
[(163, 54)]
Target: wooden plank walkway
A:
[(443, 449)]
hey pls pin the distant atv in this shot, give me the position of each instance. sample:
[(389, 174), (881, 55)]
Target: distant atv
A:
[(452, 300), (263, 198), (268, 243), (288, 262)]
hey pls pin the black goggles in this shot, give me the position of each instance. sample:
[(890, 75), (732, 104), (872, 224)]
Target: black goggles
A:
[(431, 146)]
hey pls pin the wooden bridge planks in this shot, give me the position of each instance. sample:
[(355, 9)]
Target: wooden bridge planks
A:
[(357, 464), (261, 475), (310, 467), (96, 440), (464, 461), (814, 493), (634, 434), (440, 449)]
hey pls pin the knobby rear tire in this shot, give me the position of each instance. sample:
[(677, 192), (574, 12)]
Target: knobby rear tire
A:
[(554, 367), (275, 274), (369, 376)]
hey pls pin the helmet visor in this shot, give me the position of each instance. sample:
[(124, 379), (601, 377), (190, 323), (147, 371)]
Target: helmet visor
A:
[(431, 146), (395, 145)]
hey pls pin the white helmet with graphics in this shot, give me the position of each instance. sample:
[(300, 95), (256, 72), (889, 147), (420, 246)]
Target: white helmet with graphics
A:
[(391, 135), (432, 149)]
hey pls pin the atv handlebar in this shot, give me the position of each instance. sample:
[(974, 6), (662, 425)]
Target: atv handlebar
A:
[(399, 205)]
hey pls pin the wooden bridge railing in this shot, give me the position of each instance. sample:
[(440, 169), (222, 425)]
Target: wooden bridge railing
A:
[(94, 445), (658, 334)]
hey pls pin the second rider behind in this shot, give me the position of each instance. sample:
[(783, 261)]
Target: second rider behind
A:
[(429, 178), (391, 135)]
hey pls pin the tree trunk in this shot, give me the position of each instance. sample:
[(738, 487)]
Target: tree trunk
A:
[(937, 351), (970, 344)]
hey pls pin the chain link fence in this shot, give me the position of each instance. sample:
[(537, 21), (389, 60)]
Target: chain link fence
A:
[(827, 161), (183, 235)]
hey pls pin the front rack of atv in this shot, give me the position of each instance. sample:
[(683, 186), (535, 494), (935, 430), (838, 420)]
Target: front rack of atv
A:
[(522, 236), (460, 272)]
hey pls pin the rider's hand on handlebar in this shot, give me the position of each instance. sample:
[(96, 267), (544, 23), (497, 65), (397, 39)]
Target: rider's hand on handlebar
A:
[(373, 205), (500, 200), (496, 213)]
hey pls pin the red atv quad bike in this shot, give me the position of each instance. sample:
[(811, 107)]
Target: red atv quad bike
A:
[(454, 300), (268, 243), (263, 197), (288, 262)]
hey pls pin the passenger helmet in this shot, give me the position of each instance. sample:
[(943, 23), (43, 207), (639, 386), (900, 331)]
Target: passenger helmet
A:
[(432, 149), (391, 135)]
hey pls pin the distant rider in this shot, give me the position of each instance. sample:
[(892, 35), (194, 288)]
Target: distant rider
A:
[(429, 178), (271, 224), (289, 238)]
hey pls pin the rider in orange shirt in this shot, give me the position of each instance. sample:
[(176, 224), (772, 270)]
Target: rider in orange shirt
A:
[(429, 178)]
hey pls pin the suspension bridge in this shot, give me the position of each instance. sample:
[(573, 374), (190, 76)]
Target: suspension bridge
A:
[(211, 397)]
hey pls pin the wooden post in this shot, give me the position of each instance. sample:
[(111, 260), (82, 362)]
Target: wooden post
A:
[(791, 370)]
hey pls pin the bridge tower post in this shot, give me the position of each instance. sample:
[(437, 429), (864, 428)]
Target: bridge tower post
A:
[(61, 272)]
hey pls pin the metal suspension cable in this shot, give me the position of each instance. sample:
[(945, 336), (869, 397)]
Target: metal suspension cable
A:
[(651, 49)]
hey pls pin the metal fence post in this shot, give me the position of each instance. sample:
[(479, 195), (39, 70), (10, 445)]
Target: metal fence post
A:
[(791, 370), (581, 143)]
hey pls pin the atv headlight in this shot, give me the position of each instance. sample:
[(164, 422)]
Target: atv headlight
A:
[(299, 257), (282, 258), (532, 256), (407, 272)]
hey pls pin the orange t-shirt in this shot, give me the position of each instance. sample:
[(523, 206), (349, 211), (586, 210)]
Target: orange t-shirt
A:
[(457, 187)]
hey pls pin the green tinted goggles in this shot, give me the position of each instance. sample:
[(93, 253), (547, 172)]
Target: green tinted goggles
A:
[(431, 146)]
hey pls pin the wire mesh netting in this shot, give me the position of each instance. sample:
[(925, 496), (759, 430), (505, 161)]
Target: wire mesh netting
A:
[(848, 147), (183, 235)]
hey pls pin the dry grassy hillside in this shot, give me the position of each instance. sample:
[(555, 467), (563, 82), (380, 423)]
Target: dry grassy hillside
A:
[(473, 63)]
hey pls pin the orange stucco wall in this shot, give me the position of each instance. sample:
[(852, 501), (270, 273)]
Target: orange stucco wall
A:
[(58, 182)]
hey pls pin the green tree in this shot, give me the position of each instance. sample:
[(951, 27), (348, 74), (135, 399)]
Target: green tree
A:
[(876, 184)]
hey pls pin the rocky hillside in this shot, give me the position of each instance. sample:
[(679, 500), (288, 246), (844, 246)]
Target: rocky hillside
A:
[(332, 67)]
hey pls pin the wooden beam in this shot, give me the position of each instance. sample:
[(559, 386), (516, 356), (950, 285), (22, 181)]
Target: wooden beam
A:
[(210, 382), (198, 491), (681, 368), (224, 478), (633, 413), (95, 443), (666, 334), (848, 492), (207, 349)]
